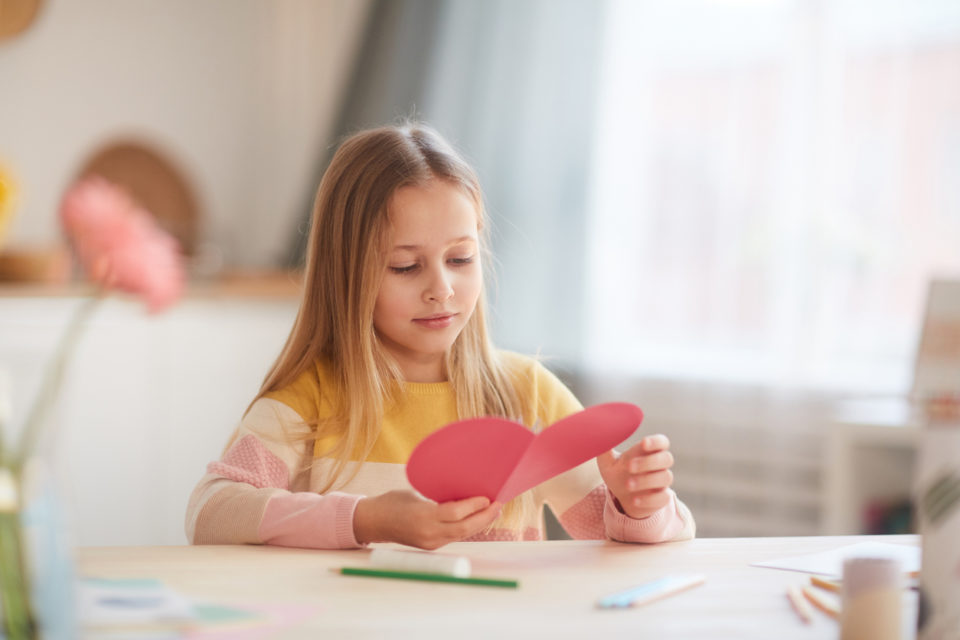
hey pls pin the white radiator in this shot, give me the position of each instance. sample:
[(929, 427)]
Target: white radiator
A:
[(748, 462)]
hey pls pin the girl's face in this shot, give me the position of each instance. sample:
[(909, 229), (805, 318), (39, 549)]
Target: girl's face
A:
[(433, 277)]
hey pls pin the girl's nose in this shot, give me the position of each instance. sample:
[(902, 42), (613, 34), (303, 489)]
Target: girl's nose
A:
[(440, 289)]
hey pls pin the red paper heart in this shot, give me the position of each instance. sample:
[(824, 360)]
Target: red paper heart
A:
[(500, 459)]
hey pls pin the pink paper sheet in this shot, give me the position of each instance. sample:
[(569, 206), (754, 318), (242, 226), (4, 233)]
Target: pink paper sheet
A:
[(501, 459)]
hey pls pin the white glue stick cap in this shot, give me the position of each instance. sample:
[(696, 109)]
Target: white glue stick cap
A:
[(420, 561)]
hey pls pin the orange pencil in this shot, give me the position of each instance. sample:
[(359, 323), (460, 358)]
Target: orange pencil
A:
[(823, 583), (799, 604), (821, 603)]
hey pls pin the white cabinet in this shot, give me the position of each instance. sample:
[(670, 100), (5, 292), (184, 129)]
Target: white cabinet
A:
[(147, 401)]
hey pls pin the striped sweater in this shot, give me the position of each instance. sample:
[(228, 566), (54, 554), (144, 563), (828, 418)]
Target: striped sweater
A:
[(265, 487)]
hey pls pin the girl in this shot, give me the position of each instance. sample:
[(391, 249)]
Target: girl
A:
[(390, 344)]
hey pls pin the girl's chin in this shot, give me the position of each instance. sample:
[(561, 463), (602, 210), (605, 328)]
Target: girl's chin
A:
[(423, 348)]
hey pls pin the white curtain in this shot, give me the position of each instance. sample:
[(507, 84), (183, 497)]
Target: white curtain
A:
[(774, 184)]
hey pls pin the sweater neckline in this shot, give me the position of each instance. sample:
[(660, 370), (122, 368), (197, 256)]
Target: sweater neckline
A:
[(426, 388)]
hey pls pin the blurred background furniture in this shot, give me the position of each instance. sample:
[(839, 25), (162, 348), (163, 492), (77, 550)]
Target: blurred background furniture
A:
[(147, 402), (872, 444), (869, 467)]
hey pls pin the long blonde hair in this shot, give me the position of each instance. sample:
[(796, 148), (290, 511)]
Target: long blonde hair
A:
[(346, 259)]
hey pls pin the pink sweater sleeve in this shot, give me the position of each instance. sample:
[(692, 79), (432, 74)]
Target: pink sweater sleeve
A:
[(310, 520), (596, 516), (245, 498), (671, 522)]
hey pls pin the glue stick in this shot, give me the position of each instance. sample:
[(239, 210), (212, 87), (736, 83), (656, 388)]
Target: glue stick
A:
[(421, 562)]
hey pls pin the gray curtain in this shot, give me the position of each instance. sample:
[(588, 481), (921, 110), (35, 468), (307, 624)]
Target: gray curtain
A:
[(511, 83)]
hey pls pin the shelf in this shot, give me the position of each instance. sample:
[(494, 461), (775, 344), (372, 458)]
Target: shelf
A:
[(871, 449), (239, 284)]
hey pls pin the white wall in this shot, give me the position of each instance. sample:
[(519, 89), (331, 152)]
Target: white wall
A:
[(241, 93), (146, 403)]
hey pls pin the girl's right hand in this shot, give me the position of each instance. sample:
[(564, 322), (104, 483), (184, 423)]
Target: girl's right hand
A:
[(406, 517)]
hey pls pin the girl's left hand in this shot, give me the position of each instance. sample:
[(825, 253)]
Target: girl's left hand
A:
[(640, 477)]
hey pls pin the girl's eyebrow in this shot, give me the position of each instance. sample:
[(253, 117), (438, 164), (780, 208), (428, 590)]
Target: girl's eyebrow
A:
[(414, 247)]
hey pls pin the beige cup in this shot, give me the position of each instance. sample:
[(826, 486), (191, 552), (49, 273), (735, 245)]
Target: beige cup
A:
[(871, 593)]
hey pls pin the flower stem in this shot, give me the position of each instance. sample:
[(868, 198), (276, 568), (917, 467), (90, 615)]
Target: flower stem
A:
[(18, 621), (35, 424)]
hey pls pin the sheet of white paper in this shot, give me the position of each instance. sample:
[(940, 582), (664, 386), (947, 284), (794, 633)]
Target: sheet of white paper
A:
[(831, 562), (109, 603)]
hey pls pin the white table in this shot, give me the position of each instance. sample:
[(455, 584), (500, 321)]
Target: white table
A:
[(559, 584)]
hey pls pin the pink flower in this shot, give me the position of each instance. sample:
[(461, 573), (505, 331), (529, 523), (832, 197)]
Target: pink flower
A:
[(119, 245)]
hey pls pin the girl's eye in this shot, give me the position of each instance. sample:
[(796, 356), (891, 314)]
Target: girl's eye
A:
[(460, 261), (410, 268)]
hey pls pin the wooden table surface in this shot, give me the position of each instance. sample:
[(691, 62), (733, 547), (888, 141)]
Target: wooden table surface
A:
[(559, 584)]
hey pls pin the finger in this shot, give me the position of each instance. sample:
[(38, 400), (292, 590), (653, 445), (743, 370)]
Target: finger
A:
[(650, 481), (480, 520), (647, 445), (607, 458), (457, 510), (656, 442), (651, 500), (650, 462)]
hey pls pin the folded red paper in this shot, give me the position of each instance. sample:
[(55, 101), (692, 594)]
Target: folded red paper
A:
[(500, 459)]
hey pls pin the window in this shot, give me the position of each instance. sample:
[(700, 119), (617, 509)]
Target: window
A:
[(774, 184)]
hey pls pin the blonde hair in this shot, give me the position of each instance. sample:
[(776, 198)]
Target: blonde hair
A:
[(346, 259)]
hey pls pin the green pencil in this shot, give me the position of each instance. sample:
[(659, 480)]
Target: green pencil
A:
[(429, 577)]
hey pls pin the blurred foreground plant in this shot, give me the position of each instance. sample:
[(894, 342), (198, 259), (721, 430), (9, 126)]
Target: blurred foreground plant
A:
[(119, 247), (8, 197)]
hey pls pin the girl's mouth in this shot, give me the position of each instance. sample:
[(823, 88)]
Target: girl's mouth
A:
[(436, 322)]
